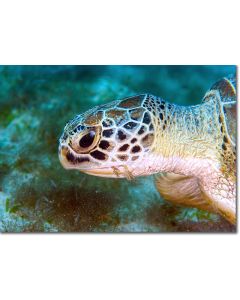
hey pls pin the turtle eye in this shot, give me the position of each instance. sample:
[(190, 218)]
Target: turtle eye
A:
[(86, 141)]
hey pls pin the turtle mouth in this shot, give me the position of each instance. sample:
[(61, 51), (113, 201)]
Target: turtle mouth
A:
[(83, 164), (102, 172)]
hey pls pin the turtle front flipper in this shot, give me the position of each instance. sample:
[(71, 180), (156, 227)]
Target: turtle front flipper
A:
[(182, 190), (221, 192)]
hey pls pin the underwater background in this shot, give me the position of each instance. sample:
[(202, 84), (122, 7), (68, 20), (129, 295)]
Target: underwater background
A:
[(38, 195)]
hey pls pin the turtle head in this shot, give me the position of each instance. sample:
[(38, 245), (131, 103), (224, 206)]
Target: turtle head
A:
[(110, 140)]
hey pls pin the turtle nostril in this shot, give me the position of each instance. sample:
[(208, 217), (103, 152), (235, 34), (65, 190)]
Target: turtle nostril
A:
[(124, 147)]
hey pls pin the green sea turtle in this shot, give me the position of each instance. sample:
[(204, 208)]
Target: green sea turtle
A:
[(193, 148)]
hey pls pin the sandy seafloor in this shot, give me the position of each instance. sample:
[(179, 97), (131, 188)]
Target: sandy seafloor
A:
[(38, 195)]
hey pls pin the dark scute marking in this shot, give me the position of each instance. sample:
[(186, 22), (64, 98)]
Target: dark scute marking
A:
[(131, 102), (70, 157), (94, 118), (80, 127), (98, 155), (169, 106), (135, 157), (123, 157), (108, 132), (104, 144), (119, 115), (141, 130), (220, 119), (83, 159), (224, 147), (225, 139), (162, 106), (221, 129), (164, 126), (146, 118), (64, 148), (64, 137), (133, 140), (151, 127), (135, 149), (148, 140), (161, 116), (87, 140), (136, 114), (121, 135), (107, 123), (130, 125), (124, 147)]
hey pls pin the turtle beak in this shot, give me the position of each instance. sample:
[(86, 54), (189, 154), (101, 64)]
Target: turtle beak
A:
[(62, 154)]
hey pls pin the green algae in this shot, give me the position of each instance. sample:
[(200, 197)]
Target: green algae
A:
[(38, 195)]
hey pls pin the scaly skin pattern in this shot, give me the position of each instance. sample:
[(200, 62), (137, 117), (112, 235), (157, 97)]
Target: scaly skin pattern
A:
[(145, 135)]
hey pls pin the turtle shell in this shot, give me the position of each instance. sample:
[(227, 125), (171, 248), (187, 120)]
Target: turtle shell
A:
[(228, 102)]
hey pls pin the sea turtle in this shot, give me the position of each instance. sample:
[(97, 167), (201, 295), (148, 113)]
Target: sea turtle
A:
[(193, 148)]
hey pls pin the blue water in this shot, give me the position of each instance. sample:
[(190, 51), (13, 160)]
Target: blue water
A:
[(38, 195)]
